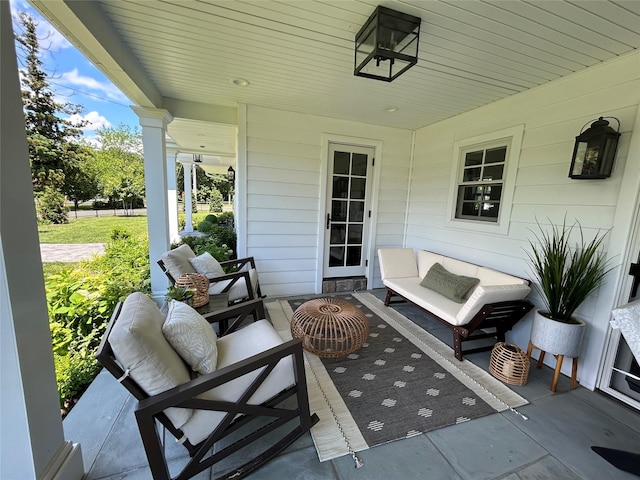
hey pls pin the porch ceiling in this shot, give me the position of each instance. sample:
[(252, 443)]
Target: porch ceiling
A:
[(298, 54)]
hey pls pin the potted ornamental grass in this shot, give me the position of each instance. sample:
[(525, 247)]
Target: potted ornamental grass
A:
[(566, 275)]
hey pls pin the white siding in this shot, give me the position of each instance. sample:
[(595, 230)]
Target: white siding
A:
[(552, 115), (284, 164)]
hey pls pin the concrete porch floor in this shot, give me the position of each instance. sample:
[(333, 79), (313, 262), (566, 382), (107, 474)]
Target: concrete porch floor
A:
[(554, 443)]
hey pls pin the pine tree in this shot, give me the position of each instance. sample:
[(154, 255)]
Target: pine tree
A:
[(53, 140)]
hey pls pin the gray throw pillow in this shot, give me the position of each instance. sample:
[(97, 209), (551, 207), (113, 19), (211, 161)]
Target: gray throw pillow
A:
[(448, 284)]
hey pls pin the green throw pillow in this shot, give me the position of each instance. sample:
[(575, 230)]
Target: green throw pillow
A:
[(452, 286)]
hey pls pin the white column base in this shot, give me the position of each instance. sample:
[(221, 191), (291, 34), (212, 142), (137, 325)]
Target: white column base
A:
[(66, 464)]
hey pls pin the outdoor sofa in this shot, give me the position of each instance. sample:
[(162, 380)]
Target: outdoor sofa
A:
[(475, 302)]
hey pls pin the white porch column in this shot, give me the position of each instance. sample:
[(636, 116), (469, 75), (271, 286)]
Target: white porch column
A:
[(32, 443), (154, 124), (188, 204), (172, 196)]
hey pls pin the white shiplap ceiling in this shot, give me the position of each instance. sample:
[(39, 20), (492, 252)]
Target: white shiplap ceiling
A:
[(298, 54)]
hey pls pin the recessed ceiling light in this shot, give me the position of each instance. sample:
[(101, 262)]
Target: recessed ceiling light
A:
[(392, 109), (240, 82)]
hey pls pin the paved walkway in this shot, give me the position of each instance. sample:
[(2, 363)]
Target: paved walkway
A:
[(69, 252)]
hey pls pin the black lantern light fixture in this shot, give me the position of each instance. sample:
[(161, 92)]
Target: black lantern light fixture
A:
[(387, 45), (197, 158), (595, 150), (231, 174)]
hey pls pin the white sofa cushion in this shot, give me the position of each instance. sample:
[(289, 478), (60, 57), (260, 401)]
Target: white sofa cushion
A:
[(484, 294), (176, 261), (141, 348), (239, 289), (430, 300), (191, 336), (240, 345), (207, 265), (426, 260), (397, 263)]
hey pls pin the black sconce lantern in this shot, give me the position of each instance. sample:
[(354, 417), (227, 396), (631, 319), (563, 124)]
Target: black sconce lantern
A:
[(595, 150), (231, 175), (197, 158), (387, 45)]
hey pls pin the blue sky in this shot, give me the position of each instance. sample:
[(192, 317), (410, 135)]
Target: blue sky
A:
[(74, 79)]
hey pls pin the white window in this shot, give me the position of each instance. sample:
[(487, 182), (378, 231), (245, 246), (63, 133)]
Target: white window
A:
[(483, 180)]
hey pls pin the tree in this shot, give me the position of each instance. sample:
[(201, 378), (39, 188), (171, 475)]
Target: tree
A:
[(81, 183), (119, 165), (52, 139)]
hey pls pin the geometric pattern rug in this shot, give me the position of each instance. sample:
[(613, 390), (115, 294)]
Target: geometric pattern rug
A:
[(403, 382)]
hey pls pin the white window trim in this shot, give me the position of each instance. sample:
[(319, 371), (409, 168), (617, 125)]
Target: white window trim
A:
[(512, 136)]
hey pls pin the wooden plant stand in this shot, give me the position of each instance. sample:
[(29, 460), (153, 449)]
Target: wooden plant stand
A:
[(556, 373)]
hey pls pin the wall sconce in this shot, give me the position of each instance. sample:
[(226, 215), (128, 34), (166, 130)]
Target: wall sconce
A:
[(231, 175), (197, 158), (595, 150), (387, 45)]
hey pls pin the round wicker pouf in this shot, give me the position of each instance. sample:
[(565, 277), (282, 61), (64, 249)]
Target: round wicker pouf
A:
[(509, 364), (330, 327)]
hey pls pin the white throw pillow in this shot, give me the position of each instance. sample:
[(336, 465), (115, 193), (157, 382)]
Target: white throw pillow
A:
[(191, 336), (207, 265)]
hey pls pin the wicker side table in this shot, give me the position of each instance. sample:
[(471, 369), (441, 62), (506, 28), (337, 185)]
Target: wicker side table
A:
[(509, 364), (330, 327)]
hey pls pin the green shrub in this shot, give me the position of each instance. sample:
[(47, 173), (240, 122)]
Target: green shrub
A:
[(195, 219), (211, 218), (80, 304), (224, 236), (75, 370), (50, 206), (205, 227), (208, 244), (215, 201)]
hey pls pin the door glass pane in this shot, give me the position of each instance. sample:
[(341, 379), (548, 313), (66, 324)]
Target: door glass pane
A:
[(338, 211), (336, 256), (340, 187), (359, 167), (353, 255), (338, 234), (355, 233), (357, 188), (356, 212), (341, 162)]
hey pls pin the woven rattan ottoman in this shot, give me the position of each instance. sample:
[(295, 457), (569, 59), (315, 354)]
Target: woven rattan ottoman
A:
[(330, 327)]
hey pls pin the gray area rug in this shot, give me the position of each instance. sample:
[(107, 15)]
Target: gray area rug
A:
[(403, 382)]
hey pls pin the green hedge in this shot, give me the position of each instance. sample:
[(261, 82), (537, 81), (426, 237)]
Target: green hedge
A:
[(81, 301)]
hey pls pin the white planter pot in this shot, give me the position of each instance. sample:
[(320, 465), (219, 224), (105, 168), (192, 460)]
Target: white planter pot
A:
[(555, 337)]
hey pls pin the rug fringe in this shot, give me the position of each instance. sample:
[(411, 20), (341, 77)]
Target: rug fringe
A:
[(336, 434)]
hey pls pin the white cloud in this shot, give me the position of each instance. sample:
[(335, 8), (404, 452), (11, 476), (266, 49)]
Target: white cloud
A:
[(109, 90), (94, 119)]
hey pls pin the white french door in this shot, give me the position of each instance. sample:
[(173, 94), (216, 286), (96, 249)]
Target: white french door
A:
[(347, 214)]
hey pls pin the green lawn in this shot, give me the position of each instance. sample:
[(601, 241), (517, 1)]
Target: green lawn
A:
[(53, 268), (91, 229)]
